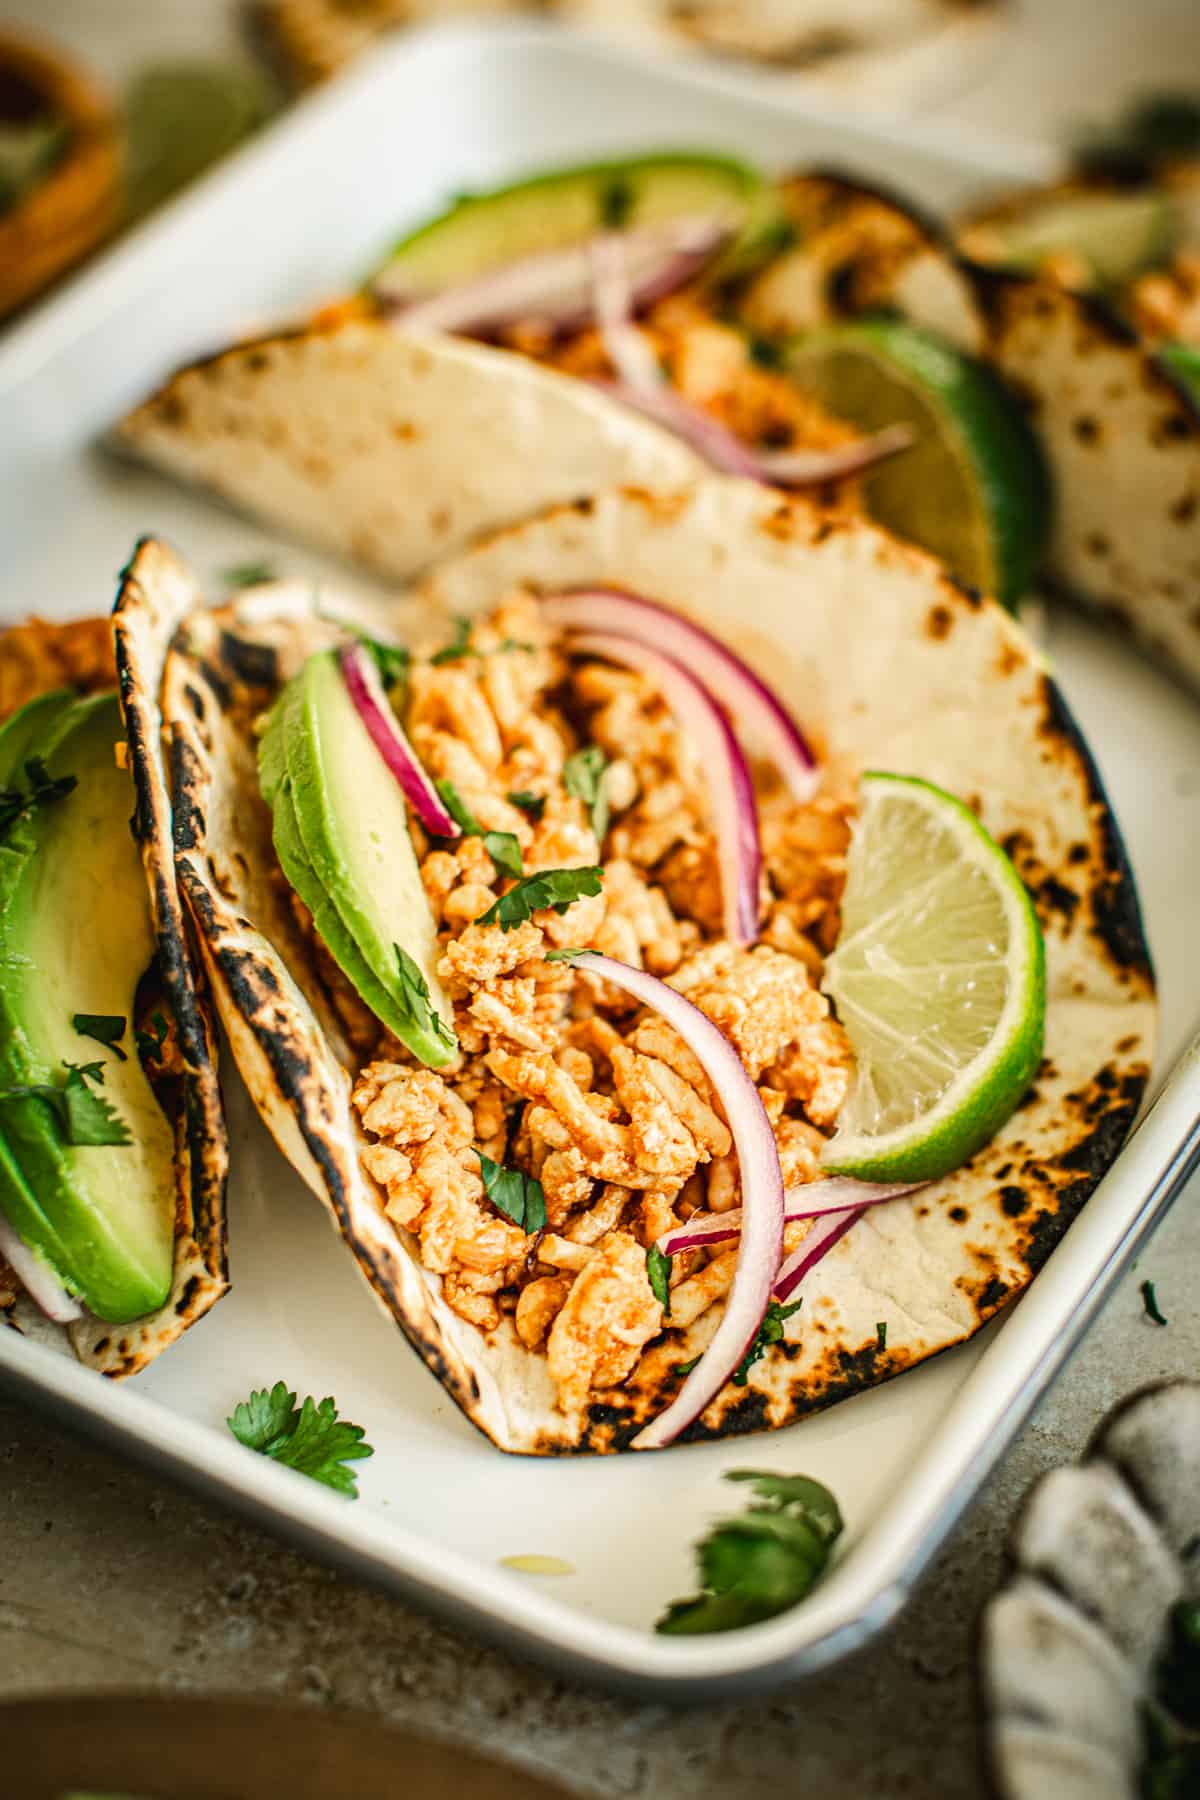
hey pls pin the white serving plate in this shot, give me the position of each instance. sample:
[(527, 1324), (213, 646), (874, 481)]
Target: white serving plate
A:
[(292, 216)]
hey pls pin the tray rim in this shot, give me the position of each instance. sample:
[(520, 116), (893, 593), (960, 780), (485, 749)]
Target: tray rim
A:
[(873, 1579)]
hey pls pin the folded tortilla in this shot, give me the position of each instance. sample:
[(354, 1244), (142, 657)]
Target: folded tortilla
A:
[(156, 592), (888, 664), (1121, 432), (392, 449)]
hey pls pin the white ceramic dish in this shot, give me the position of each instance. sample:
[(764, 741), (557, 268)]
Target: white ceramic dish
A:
[(290, 217)]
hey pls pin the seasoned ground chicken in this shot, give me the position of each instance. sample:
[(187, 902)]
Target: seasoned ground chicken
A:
[(566, 1090), (38, 656), (1165, 304)]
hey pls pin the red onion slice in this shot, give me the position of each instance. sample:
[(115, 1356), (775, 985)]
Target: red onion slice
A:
[(629, 352), (754, 708), (819, 1242), (37, 1278), (723, 450), (373, 708), (762, 1189), (555, 287), (814, 1200), (735, 817)]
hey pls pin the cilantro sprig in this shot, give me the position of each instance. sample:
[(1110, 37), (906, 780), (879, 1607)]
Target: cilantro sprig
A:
[(81, 1117), (533, 804), (459, 646), (416, 993), (518, 1196), (501, 846), (762, 1562), (658, 1274), (392, 661), (557, 888), (1150, 1303), (107, 1029), (309, 1438), (584, 775), (769, 1332), (41, 789), (247, 574)]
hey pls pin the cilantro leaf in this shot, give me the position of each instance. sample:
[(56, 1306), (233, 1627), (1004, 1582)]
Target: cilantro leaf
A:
[(81, 1117), (769, 1332), (584, 776), (559, 888), (511, 643), (391, 660), (658, 1273), (616, 202), (518, 1196), (881, 1335), (501, 846), (762, 1562), (416, 994), (106, 1028), (247, 574), (150, 1043), (569, 955), (1150, 1303), (458, 647), (311, 1438), (686, 1368), (42, 789), (533, 804)]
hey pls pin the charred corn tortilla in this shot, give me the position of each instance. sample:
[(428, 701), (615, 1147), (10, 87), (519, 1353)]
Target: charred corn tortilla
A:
[(888, 664), (154, 595), (1121, 432)]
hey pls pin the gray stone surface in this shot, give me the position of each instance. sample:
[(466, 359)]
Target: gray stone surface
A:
[(110, 1579)]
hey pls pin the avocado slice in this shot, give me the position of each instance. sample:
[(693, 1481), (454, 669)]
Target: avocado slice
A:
[(566, 207), (20, 733), (76, 936), (351, 847)]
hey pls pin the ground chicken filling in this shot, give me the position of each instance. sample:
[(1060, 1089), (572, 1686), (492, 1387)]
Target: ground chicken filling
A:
[(561, 1077)]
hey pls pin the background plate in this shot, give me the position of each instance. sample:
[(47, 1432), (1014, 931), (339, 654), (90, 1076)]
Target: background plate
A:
[(291, 217)]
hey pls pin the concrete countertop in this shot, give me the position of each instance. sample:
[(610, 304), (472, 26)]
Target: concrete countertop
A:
[(110, 1579)]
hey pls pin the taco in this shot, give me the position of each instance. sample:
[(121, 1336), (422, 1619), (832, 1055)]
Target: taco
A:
[(391, 862), (113, 1154)]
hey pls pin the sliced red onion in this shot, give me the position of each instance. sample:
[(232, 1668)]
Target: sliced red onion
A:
[(37, 1278), (629, 352), (831, 1228), (801, 468), (757, 712), (813, 1200), (555, 287), (735, 817), (373, 708), (762, 1190)]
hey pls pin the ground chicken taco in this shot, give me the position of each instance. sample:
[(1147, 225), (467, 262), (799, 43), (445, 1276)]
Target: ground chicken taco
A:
[(686, 947)]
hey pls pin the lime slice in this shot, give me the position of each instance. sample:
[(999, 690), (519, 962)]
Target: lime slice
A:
[(939, 980), (973, 488), (1116, 236)]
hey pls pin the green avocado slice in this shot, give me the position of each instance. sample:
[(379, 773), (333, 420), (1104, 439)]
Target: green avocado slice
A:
[(20, 733), (352, 830), (76, 936), (566, 207)]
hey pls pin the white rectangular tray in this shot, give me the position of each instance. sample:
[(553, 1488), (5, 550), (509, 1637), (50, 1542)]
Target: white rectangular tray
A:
[(291, 217)]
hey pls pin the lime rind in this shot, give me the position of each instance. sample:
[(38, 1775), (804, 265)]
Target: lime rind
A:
[(969, 1104)]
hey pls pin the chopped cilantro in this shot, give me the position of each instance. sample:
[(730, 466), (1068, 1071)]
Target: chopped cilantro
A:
[(584, 776), (616, 203), (42, 789), (311, 1438), (762, 1562), (517, 1195), (106, 1028), (81, 1117), (150, 1043), (764, 351), (390, 659), (569, 955), (501, 846), (533, 804), (247, 574), (1150, 1303), (881, 1335), (658, 1273), (510, 643), (416, 993), (769, 1332), (687, 1367), (458, 647), (559, 888)]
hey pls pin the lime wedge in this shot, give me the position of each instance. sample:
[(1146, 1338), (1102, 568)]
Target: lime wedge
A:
[(973, 488), (939, 980), (1116, 236)]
